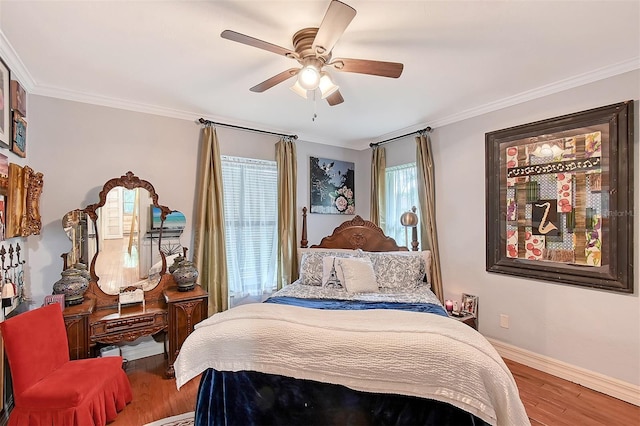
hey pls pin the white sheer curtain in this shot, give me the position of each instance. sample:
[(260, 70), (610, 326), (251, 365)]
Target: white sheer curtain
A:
[(401, 191), (251, 218)]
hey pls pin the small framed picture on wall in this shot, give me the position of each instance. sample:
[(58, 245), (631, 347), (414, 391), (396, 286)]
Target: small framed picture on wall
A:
[(19, 140)]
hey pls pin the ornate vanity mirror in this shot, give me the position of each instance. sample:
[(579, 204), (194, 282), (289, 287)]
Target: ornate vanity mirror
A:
[(124, 239)]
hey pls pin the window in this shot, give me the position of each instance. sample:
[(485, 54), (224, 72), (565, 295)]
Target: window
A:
[(401, 194), (251, 218)]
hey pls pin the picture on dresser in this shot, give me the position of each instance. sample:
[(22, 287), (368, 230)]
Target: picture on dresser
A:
[(470, 304)]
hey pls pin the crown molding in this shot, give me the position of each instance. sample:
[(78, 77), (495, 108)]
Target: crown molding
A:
[(18, 70), (539, 92), (21, 73)]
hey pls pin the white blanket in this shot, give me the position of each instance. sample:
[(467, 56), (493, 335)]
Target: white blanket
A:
[(382, 351)]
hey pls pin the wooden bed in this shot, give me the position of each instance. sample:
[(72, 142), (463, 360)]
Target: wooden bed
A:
[(356, 233), (298, 360)]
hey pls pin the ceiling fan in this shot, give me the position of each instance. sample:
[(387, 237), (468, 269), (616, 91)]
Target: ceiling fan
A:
[(312, 49)]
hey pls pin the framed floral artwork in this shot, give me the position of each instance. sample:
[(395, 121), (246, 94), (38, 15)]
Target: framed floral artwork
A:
[(559, 199), (332, 186)]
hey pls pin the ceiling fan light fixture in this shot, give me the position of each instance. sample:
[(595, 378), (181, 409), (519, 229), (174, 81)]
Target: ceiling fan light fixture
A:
[(309, 77), (299, 90), (326, 85)]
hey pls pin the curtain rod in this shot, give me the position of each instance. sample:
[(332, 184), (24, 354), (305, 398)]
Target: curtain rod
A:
[(372, 145), (203, 121)]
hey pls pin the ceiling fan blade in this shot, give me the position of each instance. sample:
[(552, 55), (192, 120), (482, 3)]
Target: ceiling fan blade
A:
[(335, 21), (276, 79), (260, 44), (335, 98), (364, 66)]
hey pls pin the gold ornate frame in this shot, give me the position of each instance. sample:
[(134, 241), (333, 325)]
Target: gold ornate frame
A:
[(23, 188)]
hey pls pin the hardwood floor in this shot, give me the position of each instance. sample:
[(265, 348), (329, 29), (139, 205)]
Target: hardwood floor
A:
[(553, 401), (547, 399), (155, 397)]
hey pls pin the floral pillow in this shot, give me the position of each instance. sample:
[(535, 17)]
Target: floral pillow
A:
[(398, 270), (311, 264)]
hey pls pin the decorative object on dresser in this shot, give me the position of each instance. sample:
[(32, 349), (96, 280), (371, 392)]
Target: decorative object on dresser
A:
[(448, 305), (185, 274), (108, 315), (470, 304), (560, 199), (72, 285)]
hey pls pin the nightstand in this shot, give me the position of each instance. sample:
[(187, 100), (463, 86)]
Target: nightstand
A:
[(468, 319), (186, 309)]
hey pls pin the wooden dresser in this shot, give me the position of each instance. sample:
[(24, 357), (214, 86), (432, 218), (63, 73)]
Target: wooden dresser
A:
[(89, 326)]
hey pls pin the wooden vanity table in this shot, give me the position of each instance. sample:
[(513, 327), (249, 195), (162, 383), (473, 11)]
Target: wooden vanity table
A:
[(100, 320), (176, 315)]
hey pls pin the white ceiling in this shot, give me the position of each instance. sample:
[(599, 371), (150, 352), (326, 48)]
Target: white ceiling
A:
[(461, 58)]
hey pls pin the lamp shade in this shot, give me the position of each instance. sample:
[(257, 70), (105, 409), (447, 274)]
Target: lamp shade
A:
[(299, 90), (309, 77), (326, 85), (409, 219)]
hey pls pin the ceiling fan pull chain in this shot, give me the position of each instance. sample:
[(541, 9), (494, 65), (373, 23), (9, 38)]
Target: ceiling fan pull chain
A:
[(315, 107)]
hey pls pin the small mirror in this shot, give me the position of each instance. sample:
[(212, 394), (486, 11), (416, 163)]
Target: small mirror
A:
[(74, 224)]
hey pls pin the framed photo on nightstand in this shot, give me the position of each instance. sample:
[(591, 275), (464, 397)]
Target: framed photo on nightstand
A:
[(470, 304)]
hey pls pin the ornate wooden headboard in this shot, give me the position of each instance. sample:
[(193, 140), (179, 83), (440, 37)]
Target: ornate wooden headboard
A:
[(356, 233)]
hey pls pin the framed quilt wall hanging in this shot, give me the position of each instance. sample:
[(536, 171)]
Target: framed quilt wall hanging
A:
[(559, 199)]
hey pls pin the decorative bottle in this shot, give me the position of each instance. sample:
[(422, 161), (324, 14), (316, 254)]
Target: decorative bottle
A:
[(186, 274), (73, 285)]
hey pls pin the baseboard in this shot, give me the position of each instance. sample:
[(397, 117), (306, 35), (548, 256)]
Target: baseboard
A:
[(599, 382)]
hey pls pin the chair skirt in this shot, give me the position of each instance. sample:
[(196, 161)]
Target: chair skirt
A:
[(88, 392)]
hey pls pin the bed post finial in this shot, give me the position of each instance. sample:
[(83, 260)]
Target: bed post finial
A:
[(303, 242), (414, 234)]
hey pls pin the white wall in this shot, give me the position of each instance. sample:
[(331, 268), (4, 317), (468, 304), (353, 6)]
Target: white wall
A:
[(593, 329), (79, 147)]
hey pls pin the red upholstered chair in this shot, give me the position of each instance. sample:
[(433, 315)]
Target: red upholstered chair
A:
[(48, 388)]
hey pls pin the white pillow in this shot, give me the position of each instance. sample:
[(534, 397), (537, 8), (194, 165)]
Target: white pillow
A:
[(358, 275), (328, 263)]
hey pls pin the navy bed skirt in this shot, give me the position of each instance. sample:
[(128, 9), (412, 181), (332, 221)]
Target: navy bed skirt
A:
[(251, 398)]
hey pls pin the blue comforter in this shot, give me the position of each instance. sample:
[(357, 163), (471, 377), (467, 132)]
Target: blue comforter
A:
[(357, 305)]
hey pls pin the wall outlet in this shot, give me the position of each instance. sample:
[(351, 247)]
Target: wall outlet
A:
[(504, 321)]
